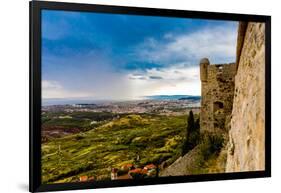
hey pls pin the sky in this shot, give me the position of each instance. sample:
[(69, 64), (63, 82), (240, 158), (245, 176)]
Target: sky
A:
[(122, 57)]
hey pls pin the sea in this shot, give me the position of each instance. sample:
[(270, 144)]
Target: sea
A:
[(66, 101)]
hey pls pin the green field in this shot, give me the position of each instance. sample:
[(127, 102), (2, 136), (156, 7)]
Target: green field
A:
[(115, 142)]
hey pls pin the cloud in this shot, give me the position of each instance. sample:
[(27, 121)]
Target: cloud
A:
[(176, 79), (103, 61), (50, 85), (155, 77), (53, 89), (115, 86), (134, 77), (218, 43)]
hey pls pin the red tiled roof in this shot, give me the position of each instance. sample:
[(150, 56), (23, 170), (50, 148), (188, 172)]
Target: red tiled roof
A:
[(150, 166), (91, 178), (83, 178), (144, 171), (126, 166), (137, 170)]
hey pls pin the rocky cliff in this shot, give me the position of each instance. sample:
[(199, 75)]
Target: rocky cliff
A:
[(246, 150)]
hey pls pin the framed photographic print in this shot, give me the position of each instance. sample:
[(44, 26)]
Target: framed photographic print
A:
[(126, 96)]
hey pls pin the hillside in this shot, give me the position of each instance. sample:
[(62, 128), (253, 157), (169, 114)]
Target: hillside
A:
[(154, 138)]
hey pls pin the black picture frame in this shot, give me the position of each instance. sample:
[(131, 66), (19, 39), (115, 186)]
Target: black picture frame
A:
[(35, 94)]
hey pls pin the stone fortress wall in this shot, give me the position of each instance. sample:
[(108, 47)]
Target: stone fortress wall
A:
[(246, 151), (233, 99), (217, 91)]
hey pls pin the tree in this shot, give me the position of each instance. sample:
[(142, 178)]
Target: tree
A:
[(197, 129), (192, 134), (190, 122)]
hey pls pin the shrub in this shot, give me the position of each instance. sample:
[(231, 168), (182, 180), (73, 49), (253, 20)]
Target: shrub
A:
[(211, 143)]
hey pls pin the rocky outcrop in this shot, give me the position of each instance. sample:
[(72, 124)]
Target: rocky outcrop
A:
[(246, 149), (184, 165)]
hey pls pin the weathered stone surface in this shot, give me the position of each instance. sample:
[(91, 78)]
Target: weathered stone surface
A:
[(240, 40), (184, 165), (217, 89), (246, 149)]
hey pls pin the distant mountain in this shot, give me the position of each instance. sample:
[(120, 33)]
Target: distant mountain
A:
[(66, 101), (173, 97), (84, 102)]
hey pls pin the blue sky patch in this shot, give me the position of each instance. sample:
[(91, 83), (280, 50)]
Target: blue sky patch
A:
[(82, 50)]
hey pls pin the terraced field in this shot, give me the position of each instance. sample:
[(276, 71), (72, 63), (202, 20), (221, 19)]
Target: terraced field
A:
[(154, 138)]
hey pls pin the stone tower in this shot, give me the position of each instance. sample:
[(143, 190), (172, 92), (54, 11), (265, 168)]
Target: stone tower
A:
[(217, 90), (205, 106)]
